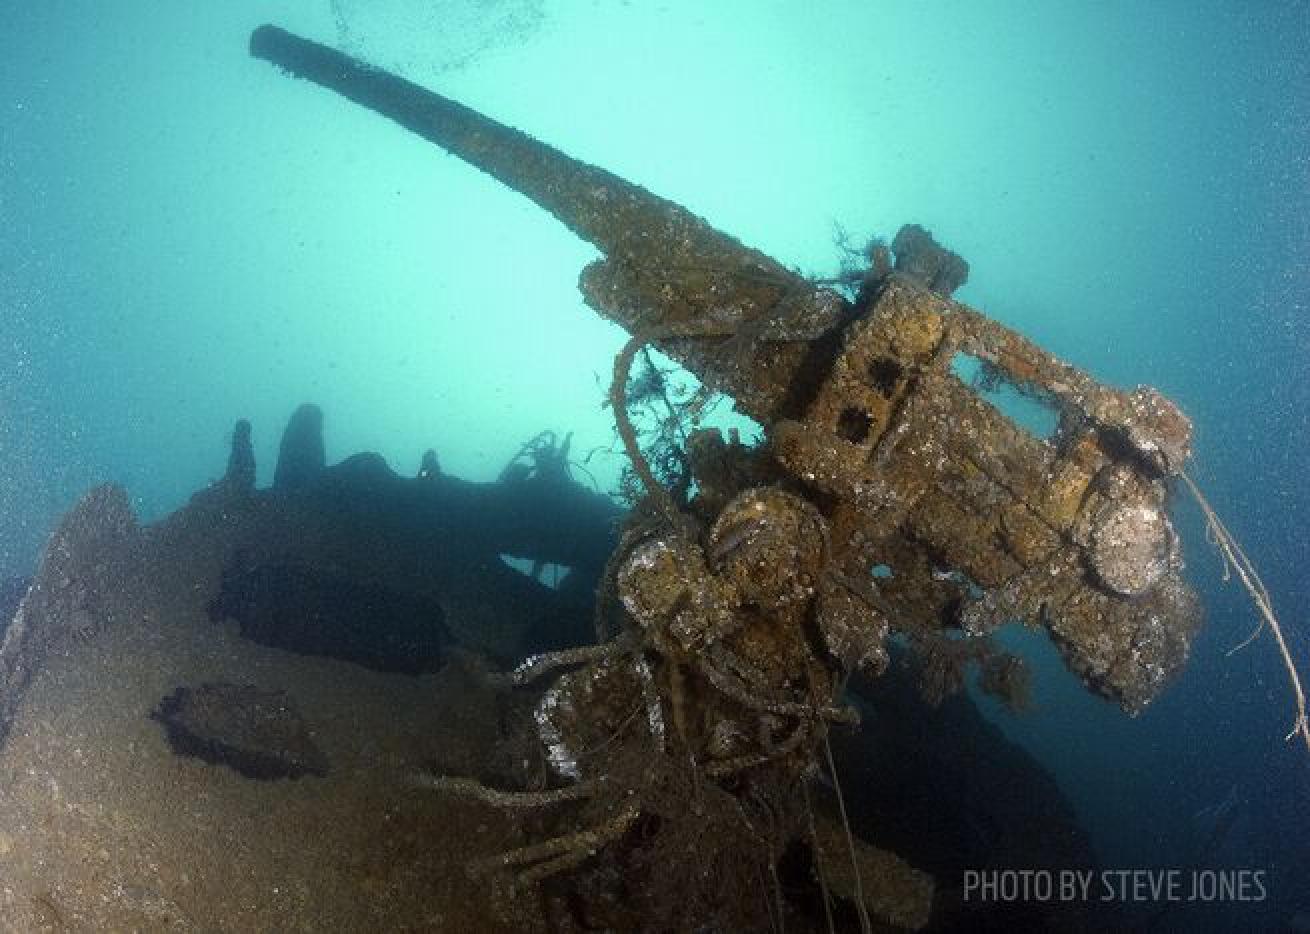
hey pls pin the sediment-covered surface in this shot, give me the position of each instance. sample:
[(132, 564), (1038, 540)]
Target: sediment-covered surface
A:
[(103, 826), (177, 758), (189, 751)]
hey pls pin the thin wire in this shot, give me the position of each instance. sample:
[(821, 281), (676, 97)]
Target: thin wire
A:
[(818, 859), (1235, 557), (866, 926)]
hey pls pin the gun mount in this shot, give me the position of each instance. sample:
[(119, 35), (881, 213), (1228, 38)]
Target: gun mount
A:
[(921, 475), (742, 614)]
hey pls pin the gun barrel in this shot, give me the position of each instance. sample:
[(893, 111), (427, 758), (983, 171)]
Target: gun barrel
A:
[(666, 272), (597, 205)]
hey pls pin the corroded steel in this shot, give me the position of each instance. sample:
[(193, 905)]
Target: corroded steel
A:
[(974, 520)]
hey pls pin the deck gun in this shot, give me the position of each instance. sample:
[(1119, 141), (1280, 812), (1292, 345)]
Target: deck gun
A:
[(972, 520)]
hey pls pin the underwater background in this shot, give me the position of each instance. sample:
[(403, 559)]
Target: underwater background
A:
[(187, 237)]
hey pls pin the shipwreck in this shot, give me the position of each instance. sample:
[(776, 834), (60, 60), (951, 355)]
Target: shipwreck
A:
[(888, 499), (657, 741)]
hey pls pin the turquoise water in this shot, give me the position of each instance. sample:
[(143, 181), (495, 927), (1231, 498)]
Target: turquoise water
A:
[(187, 237)]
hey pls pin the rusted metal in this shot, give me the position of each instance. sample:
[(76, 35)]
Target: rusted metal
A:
[(889, 496), (973, 520), (665, 271), (979, 522)]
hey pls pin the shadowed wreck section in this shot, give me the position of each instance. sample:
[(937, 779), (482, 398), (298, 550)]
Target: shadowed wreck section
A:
[(233, 699), (889, 498)]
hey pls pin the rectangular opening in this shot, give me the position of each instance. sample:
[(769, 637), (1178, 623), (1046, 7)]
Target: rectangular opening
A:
[(1022, 406)]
